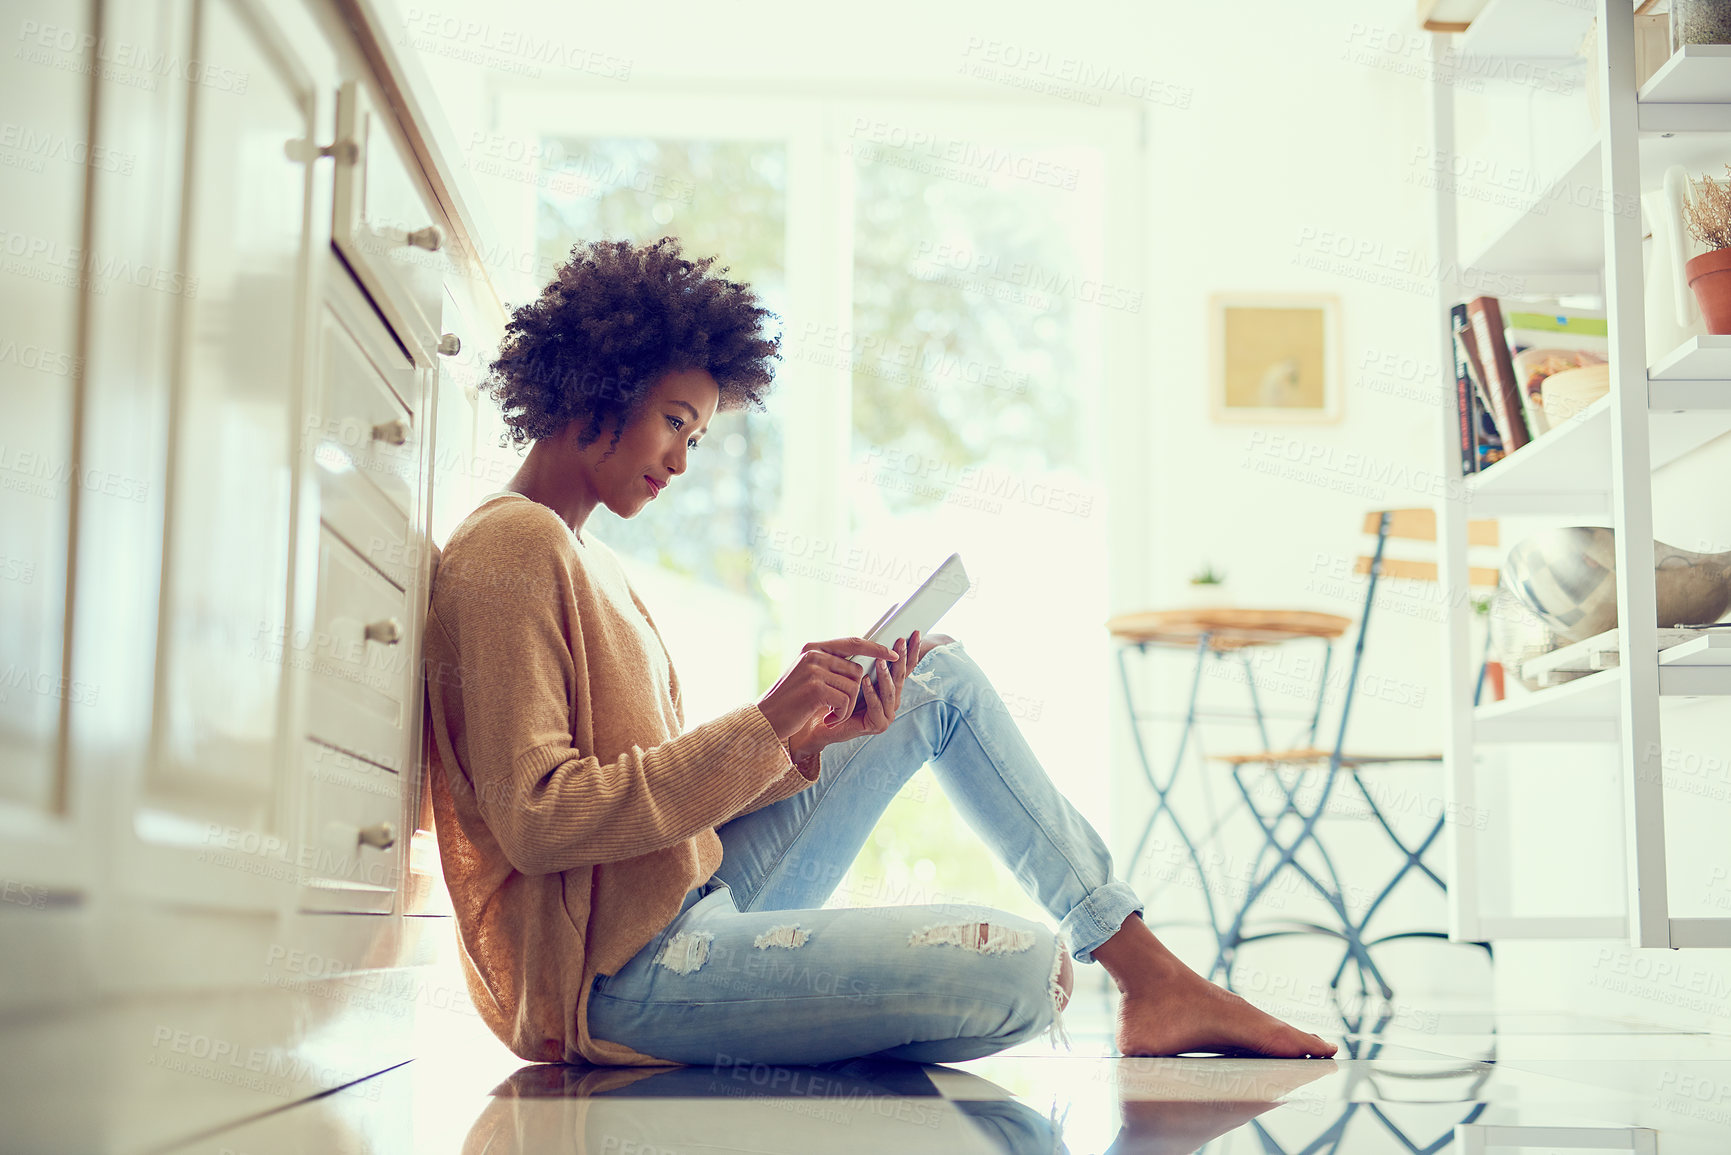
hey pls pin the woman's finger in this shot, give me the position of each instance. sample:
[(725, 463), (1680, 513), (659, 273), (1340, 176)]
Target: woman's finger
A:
[(877, 720), (887, 692), (850, 648), (837, 695), (868, 697), (891, 689), (824, 678), (821, 660)]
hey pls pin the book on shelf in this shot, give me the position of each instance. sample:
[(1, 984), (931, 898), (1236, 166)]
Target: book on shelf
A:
[(1496, 362), (1586, 330), (1465, 418), (1506, 358), (1490, 442), (1479, 443), (1458, 321)]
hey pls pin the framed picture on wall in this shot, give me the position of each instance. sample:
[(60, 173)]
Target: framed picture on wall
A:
[(1274, 357)]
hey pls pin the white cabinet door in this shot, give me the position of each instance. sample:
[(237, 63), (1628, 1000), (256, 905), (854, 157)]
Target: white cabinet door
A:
[(219, 760), (383, 223), (45, 158)]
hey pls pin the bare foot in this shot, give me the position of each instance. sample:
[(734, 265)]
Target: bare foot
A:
[(1193, 1015), (1169, 1009)]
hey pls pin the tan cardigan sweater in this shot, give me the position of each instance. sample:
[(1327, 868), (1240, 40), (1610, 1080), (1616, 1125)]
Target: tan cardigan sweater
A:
[(573, 814)]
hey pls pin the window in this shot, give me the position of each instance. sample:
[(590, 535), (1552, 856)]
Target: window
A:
[(947, 319)]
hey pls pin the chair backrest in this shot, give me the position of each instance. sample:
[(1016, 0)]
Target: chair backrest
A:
[(1408, 525), (1420, 525)]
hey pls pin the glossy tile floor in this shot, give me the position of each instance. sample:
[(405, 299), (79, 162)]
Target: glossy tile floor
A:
[(1425, 1081)]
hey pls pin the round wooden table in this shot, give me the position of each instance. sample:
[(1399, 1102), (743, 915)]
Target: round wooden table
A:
[(1226, 627)]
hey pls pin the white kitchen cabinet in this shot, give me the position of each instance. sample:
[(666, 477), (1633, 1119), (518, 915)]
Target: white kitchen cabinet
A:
[(235, 382), (212, 764)]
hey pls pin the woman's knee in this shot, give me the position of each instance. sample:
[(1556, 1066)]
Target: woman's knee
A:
[(957, 677), (1012, 970)]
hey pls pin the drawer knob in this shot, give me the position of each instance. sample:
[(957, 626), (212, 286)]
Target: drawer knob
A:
[(380, 836), (429, 238), (393, 432), (389, 632), (450, 345)]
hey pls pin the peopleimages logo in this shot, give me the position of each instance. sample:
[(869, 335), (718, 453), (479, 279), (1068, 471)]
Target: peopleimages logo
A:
[(1369, 259), (519, 50), (1068, 77), (148, 64), (974, 271), (1347, 471), (46, 259), (36, 146), (45, 476), (982, 486), (550, 165), (959, 158)]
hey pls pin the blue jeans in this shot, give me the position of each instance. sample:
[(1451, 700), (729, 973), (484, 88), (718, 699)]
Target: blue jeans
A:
[(752, 970)]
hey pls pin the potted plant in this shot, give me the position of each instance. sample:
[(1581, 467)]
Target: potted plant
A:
[(1208, 588), (1493, 682), (1708, 215)]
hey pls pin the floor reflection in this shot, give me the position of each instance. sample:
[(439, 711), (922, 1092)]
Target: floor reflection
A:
[(861, 1104), (1422, 1083), (579, 1109)]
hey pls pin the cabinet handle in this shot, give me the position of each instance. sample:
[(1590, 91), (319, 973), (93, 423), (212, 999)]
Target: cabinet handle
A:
[(388, 632), (304, 151), (380, 836), (429, 238), (394, 432), (450, 345)]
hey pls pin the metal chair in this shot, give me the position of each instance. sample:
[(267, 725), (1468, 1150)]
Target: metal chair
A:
[(1411, 524)]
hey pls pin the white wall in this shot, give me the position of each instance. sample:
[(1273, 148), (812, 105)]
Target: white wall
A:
[(1303, 167)]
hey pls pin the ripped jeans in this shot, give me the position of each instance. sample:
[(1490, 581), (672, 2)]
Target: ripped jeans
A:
[(752, 970)]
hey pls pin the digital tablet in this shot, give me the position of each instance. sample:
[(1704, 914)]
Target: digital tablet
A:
[(920, 611)]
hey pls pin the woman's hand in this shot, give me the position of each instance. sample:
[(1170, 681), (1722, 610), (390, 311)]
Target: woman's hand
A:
[(879, 697), (821, 681)]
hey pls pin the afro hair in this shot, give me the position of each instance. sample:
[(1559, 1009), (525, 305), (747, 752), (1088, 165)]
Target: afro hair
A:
[(616, 318)]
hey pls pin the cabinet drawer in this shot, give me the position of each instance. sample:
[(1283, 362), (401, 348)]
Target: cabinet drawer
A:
[(365, 655), (361, 416), (352, 837), (384, 224), (370, 487), (357, 513)]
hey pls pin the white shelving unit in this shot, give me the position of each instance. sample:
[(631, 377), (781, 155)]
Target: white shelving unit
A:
[(1663, 403)]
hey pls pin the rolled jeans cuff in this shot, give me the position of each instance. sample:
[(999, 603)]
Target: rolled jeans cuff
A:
[(1098, 917)]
